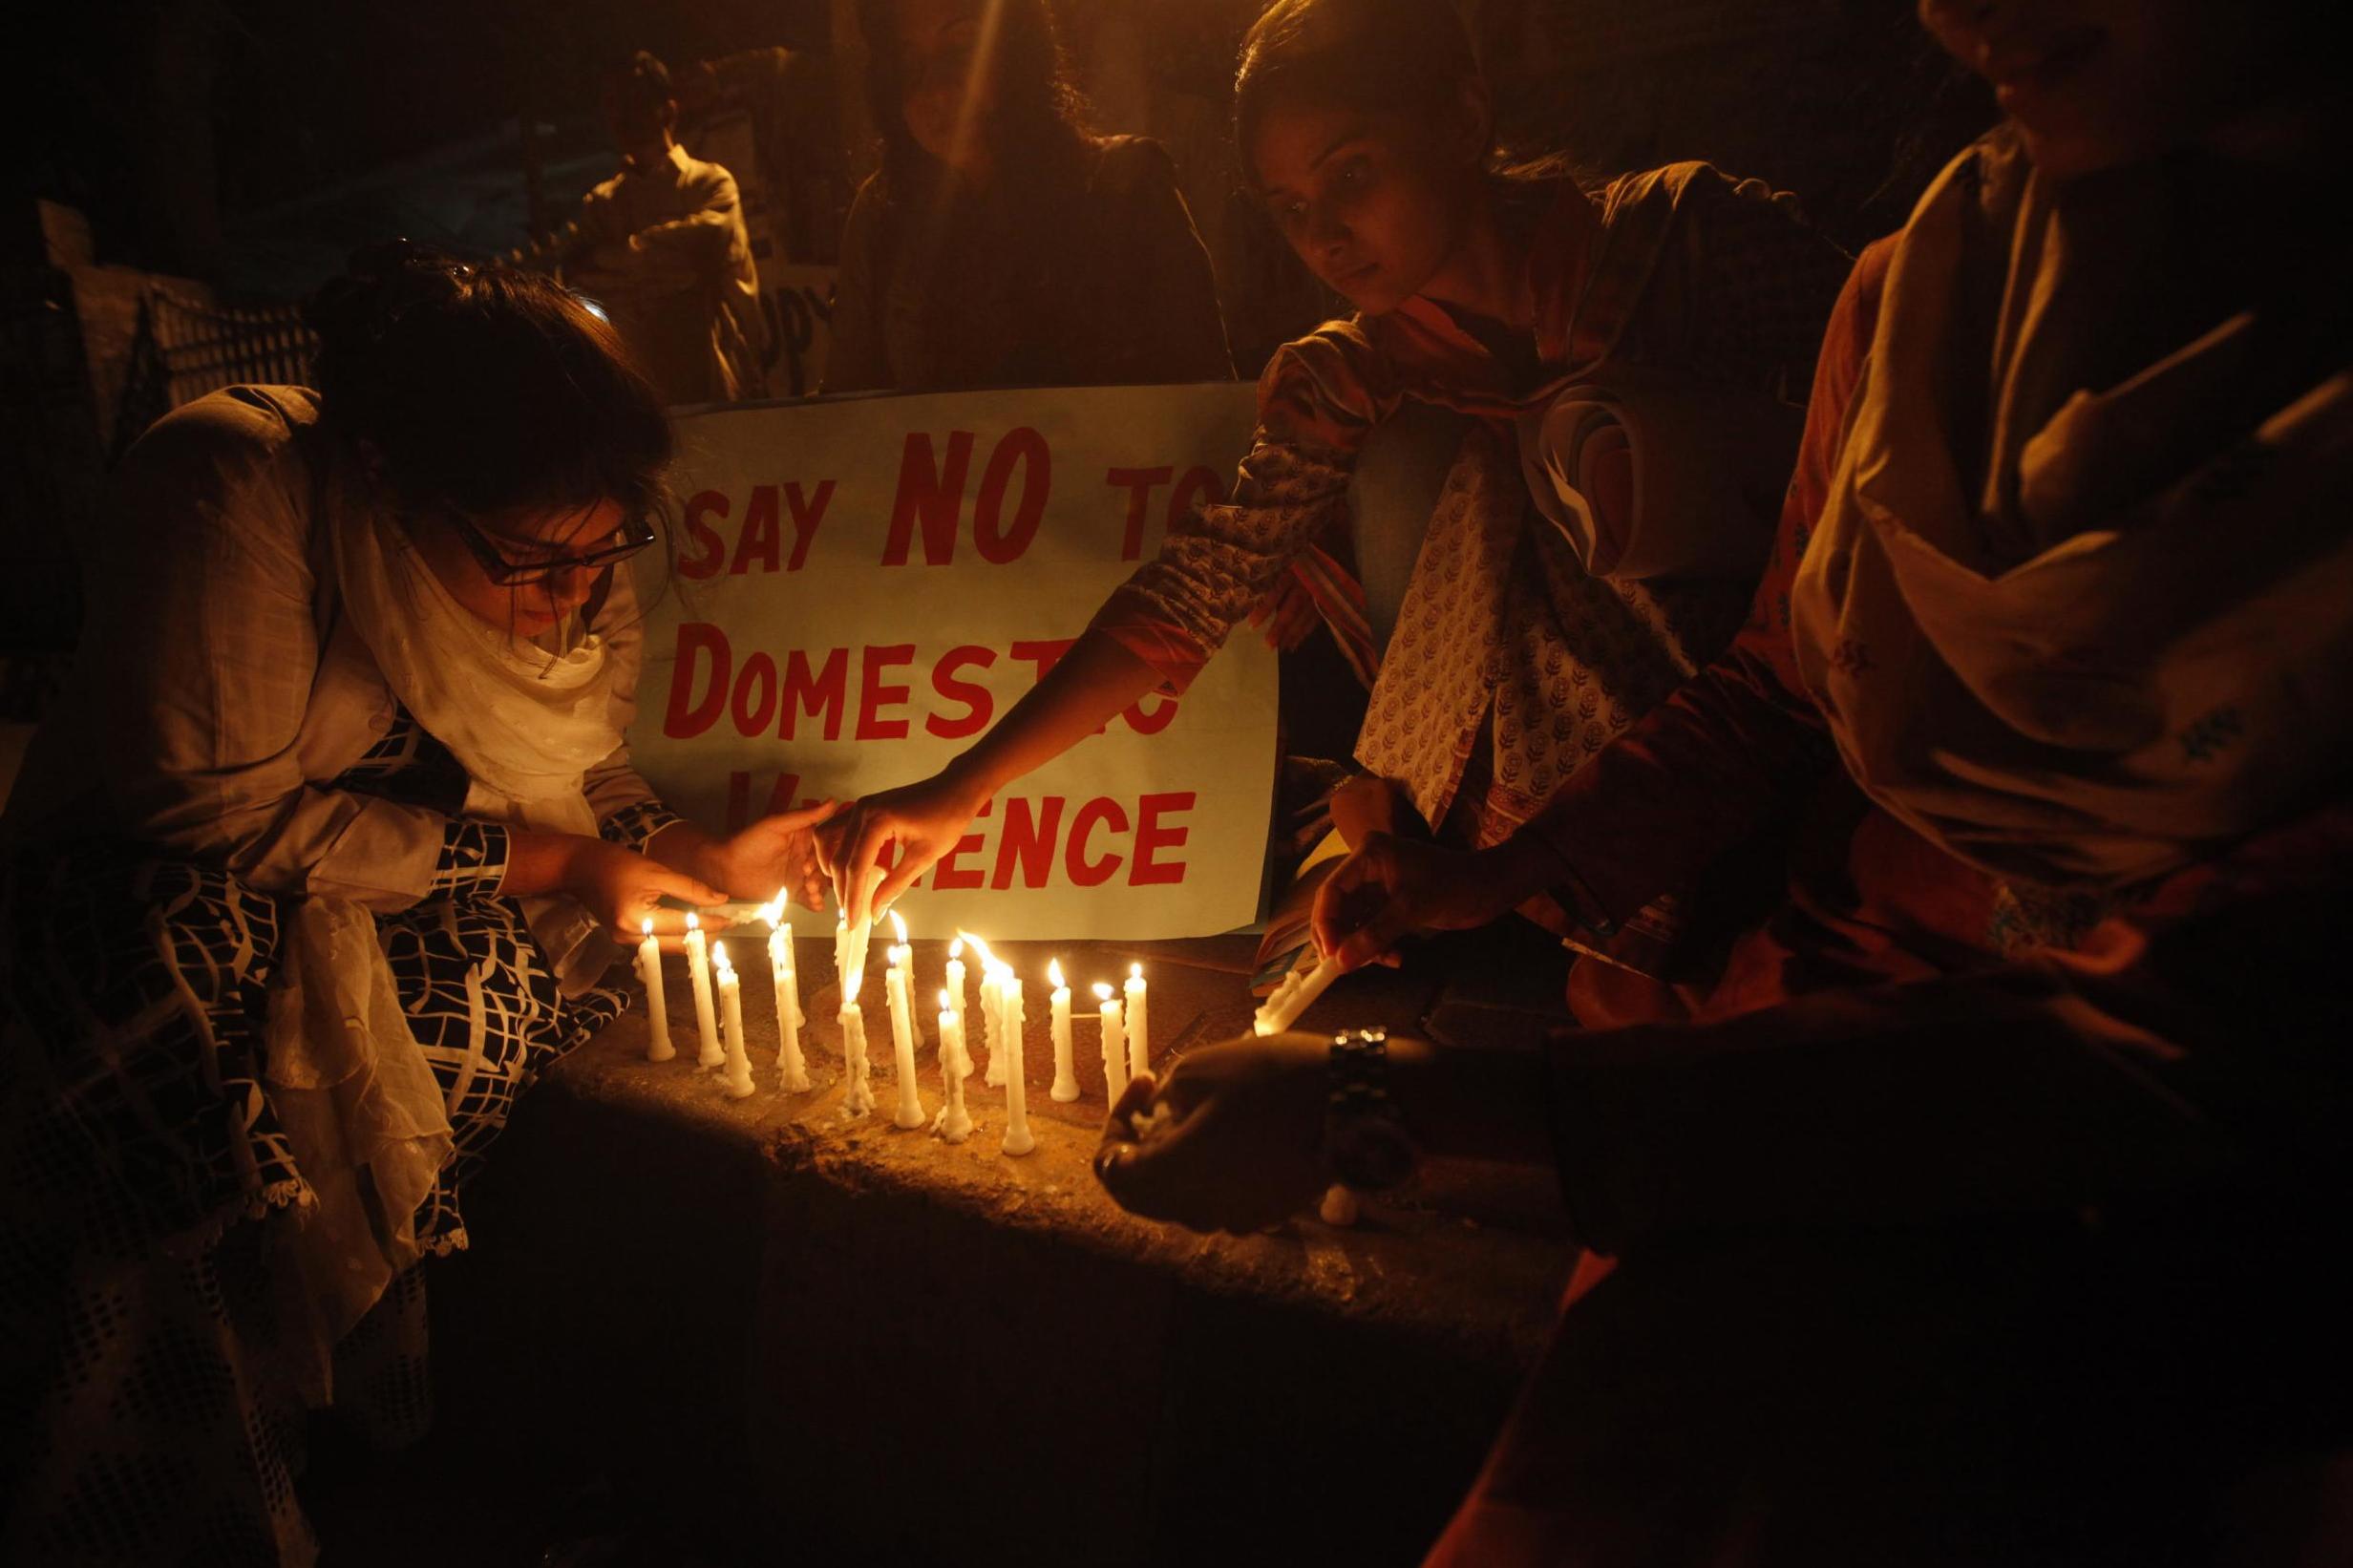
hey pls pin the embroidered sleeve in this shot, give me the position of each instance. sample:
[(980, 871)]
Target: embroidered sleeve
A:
[(474, 856), (633, 826), (1316, 404)]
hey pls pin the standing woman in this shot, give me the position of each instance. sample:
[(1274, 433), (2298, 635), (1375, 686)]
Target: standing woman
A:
[(320, 863), (1630, 362), (1000, 244)]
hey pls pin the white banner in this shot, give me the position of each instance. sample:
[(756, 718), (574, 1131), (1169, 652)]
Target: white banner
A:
[(864, 586)]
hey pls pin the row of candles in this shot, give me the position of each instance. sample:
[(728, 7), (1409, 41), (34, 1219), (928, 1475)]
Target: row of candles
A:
[(1124, 1017)]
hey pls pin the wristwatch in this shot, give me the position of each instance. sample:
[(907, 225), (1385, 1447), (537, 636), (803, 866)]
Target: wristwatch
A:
[(1365, 1140)]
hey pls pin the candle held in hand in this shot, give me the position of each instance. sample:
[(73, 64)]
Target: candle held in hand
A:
[(1293, 997), (658, 1047)]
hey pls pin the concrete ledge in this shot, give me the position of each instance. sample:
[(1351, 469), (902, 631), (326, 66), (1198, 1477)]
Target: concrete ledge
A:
[(875, 1347)]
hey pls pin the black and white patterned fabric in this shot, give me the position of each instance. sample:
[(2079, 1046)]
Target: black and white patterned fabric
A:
[(150, 1419)]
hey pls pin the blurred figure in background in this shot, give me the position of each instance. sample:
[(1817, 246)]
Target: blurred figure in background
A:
[(661, 248), (1000, 244)]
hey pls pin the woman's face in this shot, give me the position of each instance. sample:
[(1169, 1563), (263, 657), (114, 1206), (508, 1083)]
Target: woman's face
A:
[(531, 607), (947, 88), (1374, 204), (2097, 84)]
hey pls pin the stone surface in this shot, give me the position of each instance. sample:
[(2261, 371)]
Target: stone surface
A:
[(882, 1347)]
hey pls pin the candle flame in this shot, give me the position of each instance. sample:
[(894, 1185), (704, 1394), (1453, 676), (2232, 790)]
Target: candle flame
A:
[(944, 1000), (842, 922), (1102, 993), (890, 956), (648, 927), (851, 986), (956, 948), (694, 922), (773, 911), (1054, 972), (987, 960), (718, 956), (899, 925), (1135, 971)]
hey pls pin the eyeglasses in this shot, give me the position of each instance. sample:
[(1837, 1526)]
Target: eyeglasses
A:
[(626, 541)]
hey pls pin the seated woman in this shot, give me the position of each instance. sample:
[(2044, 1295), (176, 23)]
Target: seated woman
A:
[(318, 863), (1989, 1206), (999, 245), (1591, 339)]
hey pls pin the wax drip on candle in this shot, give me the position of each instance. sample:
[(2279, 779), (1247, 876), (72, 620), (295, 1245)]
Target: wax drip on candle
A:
[(1293, 997), (784, 970), (1066, 1071), (706, 1010), (860, 1096), (738, 1061), (1018, 1138), (954, 1122), (658, 1047), (909, 1111), (1114, 1044)]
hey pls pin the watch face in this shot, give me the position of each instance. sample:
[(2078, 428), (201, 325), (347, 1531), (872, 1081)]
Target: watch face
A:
[(1372, 1155)]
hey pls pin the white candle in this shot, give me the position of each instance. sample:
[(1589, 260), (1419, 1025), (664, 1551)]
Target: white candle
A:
[(860, 1097), (1017, 1138), (992, 1024), (698, 972), (738, 1080), (954, 1122), (956, 982), (854, 957), (910, 1108), (1281, 1010), (658, 1047), (1140, 1044), (1066, 1071), (1114, 1044), (784, 968)]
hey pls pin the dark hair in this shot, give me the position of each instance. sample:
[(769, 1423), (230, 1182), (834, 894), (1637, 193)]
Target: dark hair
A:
[(1038, 122), (638, 94), (1372, 55), (482, 389)]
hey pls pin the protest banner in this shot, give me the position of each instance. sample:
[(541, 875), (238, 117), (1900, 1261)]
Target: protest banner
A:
[(863, 585)]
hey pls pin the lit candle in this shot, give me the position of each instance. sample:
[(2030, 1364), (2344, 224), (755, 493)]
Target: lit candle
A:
[(698, 972), (860, 1097), (1139, 1045), (854, 957), (954, 1122), (658, 1047), (910, 1108), (1017, 1138), (1066, 1072), (956, 980), (738, 1080), (1281, 1010), (784, 968), (1114, 1044)]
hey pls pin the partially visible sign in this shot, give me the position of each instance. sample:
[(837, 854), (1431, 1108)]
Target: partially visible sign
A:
[(863, 587)]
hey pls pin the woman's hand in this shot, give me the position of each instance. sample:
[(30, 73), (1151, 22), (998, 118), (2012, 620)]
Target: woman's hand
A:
[(1288, 613), (1245, 1147), (1391, 886), (922, 819), (623, 890), (774, 852)]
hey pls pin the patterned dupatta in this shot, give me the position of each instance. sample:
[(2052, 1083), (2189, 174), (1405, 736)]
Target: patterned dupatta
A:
[(1503, 632), (2131, 642)]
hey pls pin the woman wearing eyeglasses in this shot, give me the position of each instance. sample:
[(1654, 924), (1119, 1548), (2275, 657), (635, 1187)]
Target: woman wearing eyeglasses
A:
[(323, 858)]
